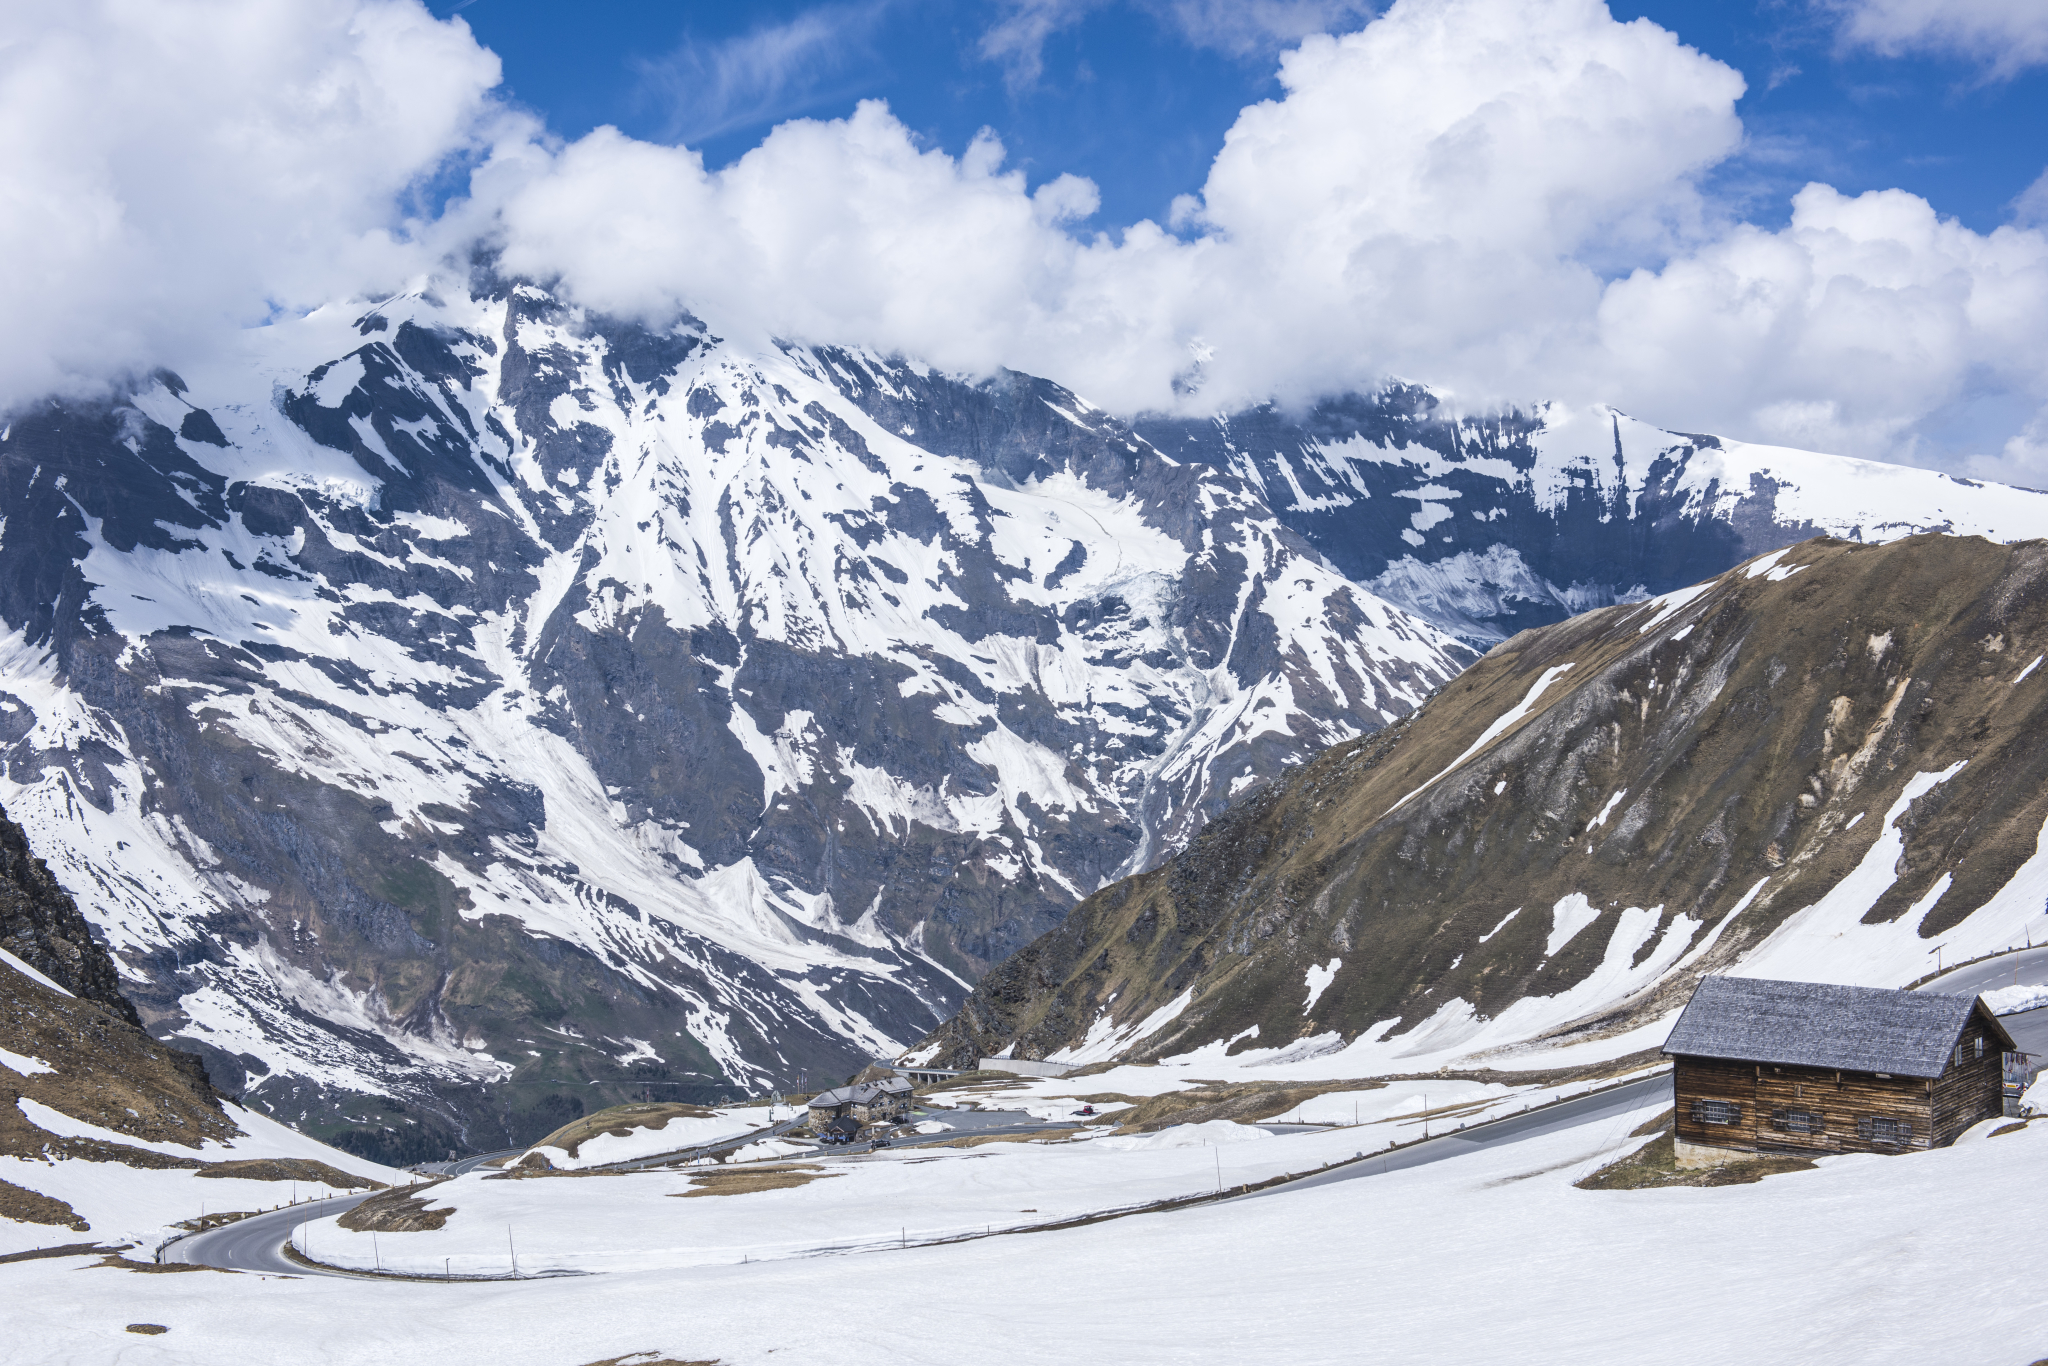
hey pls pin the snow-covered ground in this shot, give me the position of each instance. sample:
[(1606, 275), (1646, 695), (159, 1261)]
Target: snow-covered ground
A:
[(1489, 1256), (2013, 999), (134, 1205), (679, 1131)]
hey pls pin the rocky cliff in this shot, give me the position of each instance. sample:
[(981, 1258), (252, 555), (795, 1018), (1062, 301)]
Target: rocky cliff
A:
[(41, 926), (1830, 764)]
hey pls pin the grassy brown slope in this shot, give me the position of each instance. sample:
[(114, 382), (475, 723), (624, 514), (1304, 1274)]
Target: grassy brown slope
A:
[(1746, 745), (108, 1073)]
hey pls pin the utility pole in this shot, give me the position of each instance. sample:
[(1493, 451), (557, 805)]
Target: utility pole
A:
[(513, 1250)]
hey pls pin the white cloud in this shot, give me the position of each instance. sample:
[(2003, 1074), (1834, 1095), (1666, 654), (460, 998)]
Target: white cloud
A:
[(1017, 40), (767, 73), (177, 169), (2030, 209), (1245, 28), (1498, 197), (1850, 329), (1240, 28), (2007, 36), (1434, 196)]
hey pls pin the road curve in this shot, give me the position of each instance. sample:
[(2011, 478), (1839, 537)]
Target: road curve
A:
[(2024, 967), (257, 1243), (1601, 1105)]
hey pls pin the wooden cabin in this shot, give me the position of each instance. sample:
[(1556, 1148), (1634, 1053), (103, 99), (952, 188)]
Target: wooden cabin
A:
[(1809, 1068)]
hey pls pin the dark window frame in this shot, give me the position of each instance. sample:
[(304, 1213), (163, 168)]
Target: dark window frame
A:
[(1799, 1121), (1716, 1112)]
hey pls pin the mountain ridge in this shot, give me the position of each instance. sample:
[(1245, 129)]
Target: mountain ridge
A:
[(1821, 766), (470, 702)]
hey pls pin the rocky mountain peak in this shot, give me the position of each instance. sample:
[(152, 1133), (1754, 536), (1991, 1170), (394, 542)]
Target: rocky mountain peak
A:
[(471, 702)]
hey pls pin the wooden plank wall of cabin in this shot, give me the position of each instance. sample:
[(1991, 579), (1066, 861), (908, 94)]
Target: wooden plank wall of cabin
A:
[(1969, 1091), (1711, 1079), (1840, 1104)]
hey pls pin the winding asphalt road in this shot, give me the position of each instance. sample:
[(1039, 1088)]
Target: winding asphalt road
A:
[(257, 1243), (1612, 1104), (2026, 968)]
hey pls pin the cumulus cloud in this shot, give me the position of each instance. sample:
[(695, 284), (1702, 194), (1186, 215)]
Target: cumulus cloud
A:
[(2007, 36), (1849, 329), (1497, 197), (177, 169), (1436, 195)]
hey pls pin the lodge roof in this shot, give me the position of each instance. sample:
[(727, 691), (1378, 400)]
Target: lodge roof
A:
[(1815, 1024), (860, 1094)]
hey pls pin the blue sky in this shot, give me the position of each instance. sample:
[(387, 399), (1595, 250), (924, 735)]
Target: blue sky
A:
[(1127, 99)]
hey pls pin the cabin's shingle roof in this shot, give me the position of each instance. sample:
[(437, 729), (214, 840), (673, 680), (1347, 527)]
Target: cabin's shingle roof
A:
[(1812, 1024)]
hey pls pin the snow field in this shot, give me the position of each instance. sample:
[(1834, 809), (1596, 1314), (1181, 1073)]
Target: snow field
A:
[(871, 1200), (640, 893), (1488, 1256), (584, 1226)]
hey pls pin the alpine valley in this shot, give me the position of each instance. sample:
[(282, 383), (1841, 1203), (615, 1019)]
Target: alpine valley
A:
[(455, 707)]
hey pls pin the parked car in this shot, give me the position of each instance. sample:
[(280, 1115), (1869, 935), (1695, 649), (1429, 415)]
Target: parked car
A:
[(879, 1143)]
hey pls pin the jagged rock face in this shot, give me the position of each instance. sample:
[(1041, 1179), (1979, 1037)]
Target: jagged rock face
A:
[(1823, 766), (41, 925), (461, 708), (78, 1046), (1488, 525)]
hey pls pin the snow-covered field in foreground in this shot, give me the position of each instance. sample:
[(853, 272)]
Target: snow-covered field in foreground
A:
[(1487, 1257)]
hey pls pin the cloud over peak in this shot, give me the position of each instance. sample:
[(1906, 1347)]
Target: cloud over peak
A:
[(1499, 197), (179, 168)]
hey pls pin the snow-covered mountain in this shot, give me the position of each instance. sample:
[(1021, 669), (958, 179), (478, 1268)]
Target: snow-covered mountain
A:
[(460, 706), (457, 707), (1488, 525)]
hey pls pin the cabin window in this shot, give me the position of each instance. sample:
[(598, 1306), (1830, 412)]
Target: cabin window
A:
[(1716, 1112), (1883, 1129), (1797, 1122), (1980, 1045)]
